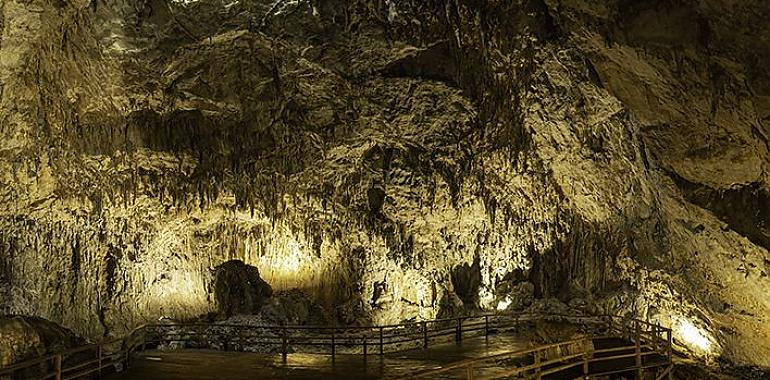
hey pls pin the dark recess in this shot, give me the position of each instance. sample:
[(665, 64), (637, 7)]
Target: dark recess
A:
[(746, 208), (239, 289), (466, 280)]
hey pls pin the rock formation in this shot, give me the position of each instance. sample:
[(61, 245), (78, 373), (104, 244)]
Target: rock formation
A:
[(239, 289), (377, 154), (24, 338)]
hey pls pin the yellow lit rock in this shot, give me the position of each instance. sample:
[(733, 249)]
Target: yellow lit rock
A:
[(611, 153), (694, 337)]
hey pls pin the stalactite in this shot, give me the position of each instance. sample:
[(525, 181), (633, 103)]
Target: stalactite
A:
[(472, 168)]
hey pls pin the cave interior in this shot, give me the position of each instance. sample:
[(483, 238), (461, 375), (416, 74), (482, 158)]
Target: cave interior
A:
[(375, 162)]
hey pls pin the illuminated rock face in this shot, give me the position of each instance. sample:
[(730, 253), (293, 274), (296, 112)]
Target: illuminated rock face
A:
[(389, 159), (25, 338)]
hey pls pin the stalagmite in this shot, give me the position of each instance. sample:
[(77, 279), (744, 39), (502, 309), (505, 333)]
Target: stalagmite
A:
[(407, 161)]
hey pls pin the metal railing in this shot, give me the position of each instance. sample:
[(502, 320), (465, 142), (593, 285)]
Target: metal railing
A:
[(649, 348), (334, 340)]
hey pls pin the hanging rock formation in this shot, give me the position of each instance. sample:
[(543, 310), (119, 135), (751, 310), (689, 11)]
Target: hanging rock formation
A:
[(389, 157)]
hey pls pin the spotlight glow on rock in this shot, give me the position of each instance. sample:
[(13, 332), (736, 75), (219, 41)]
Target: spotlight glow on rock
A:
[(286, 262), (503, 305), (694, 336)]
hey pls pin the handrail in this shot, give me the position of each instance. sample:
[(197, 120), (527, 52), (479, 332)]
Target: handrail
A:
[(390, 336), (55, 366), (586, 355), (535, 316)]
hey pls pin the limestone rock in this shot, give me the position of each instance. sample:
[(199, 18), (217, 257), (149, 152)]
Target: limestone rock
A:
[(295, 308), (614, 152), (239, 289), (23, 338)]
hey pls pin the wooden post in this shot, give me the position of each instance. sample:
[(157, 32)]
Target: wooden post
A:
[(670, 355), (638, 351), (538, 376), (469, 372), (586, 353), (99, 358), (652, 337), (486, 327), (382, 342), (459, 330), (57, 365), (284, 344), (364, 347), (424, 334), (333, 348), (128, 354)]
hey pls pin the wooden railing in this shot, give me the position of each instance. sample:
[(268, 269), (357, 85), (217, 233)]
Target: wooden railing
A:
[(79, 362), (650, 347), (333, 340)]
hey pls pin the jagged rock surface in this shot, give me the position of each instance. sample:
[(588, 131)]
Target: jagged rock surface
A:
[(23, 338), (366, 151), (239, 289)]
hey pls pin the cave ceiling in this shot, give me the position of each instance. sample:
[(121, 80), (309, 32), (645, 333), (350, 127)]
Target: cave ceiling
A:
[(392, 159)]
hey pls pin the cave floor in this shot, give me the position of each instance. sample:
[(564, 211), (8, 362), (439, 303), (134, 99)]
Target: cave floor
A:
[(207, 364)]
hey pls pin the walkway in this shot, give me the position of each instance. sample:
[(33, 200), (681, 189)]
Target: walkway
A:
[(473, 347), (582, 358), (207, 364)]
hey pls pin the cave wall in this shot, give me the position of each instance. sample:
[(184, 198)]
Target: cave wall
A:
[(363, 151), (691, 73)]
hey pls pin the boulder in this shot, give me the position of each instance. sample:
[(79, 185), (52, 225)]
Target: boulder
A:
[(517, 297), (23, 338), (239, 289), (294, 308)]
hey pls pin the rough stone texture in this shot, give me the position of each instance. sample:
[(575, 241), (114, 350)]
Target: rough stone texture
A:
[(23, 338), (545, 333), (292, 308), (363, 151), (239, 289)]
